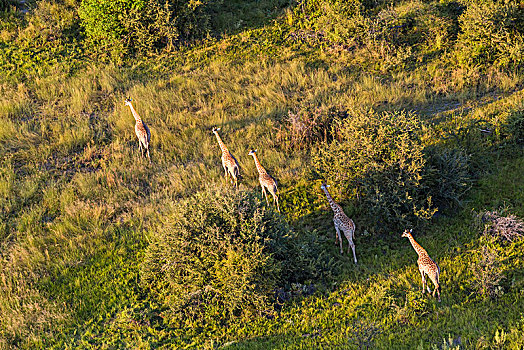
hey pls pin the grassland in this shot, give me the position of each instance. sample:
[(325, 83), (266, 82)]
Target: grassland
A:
[(79, 206)]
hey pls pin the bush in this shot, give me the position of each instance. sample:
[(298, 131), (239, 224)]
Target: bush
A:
[(487, 273), (448, 175), (302, 129), (50, 23), (7, 4), (222, 255), (515, 127), (333, 18), (389, 37), (491, 32), (504, 228), (125, 26), (379, 160)]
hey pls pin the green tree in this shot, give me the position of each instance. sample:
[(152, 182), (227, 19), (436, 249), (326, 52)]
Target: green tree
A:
[(120, 27), (378, 159)]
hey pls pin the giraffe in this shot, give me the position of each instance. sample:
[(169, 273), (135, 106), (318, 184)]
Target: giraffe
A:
[(266, 180), (426, 266), (141, 130), (229, 163), (342, 223)]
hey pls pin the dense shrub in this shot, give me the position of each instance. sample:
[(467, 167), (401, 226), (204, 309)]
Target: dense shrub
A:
[(388, 36), (502, 227), (396, 35), (379, 159), (36, 40), (448, 175), (7, 4), (305, 127), (49, 24), (488, 273), (145, 26), (514, 129), (335, 19), (491, 32), (221, 255)]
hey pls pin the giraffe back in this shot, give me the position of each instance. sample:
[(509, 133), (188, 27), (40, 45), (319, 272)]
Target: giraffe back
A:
[(142, 132), (267, 180), (344, 222), (427, 265), (228, 160)]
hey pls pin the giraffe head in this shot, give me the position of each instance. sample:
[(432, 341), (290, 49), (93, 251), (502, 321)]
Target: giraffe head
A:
[(252, 152), (407, 233), (127, 101), (324, 186), (215, 130)]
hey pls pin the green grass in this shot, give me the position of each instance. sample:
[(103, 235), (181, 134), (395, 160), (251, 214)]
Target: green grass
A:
[(78, 203), (384, 291)]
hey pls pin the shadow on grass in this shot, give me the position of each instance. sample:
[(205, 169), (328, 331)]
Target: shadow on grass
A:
[(233, 16)]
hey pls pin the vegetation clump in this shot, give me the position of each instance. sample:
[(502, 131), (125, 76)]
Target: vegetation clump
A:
[(506, 228), (491, 33), (6, 4), (378, 159), (448, 176), (487, 273), (305, 127), (126, 26), (221, 255)]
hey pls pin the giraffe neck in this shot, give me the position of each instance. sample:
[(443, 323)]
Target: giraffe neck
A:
[(221, 144), (260, 168), (135, 114), (416, 246), (334, 206)]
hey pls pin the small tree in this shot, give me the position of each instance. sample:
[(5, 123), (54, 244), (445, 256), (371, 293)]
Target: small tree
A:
[(378, 160), (491, 32), (221, 255), (487, 273), (123, 26)]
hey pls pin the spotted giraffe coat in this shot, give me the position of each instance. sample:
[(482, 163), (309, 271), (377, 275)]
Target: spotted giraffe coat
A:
[(342, 223), (426, 265)]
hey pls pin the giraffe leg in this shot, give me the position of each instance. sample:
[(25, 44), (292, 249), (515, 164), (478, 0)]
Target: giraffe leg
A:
[(236, 172), (140, 147), (231, 175), (437, 287), (265, 194), (148, 157), (352, 245), (423, 282), (427, 284), (275, 198), (339, 238)]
